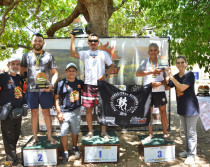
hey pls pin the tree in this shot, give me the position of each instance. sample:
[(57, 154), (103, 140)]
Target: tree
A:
[(185, 21)]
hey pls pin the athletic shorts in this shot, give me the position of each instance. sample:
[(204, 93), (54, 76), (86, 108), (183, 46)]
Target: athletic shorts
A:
[(159, 99), (72, 118), (90, 95), (45, 99)]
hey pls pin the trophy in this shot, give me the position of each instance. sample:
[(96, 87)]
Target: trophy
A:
[(162, 62), (77, 27), (41, 80)]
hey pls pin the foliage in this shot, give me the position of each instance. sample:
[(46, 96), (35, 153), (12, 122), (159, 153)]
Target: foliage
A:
[(185, 21)]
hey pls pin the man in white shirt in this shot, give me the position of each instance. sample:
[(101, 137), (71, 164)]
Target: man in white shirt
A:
[(94, 62), (151, 74)]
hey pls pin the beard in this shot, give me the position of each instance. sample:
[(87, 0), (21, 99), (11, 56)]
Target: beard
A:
[(16, 71), (37, 48)]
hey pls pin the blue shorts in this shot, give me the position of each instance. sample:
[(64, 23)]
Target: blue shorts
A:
[(72, 118), (45, 99)]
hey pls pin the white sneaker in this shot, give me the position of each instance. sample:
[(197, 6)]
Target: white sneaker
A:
[(189, 160), (183, 154)]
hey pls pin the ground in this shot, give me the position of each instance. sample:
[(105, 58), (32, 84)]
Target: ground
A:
[(129, 145)]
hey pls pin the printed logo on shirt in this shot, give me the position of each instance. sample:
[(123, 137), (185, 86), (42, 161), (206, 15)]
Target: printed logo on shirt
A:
[(79, 86), (18, 92), (74, 96), (179, 93), (10, 82), (0, 88)]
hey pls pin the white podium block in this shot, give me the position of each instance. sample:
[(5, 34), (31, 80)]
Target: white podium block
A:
[(96, 150), (157, 150), (40, 154)]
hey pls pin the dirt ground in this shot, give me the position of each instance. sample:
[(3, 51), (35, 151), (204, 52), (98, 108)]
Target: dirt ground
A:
[(131, 154)]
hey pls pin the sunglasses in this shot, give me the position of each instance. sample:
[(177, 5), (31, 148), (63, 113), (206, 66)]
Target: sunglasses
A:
[(180, 62), (92, 40)]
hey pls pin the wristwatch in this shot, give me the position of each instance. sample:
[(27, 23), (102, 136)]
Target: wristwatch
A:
[(106, 75)]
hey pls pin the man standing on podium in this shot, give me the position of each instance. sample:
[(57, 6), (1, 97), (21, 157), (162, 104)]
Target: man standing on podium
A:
[(39, 66), (94, 62), (151, 74)]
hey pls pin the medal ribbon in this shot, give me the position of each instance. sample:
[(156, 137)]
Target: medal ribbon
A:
[(37, 59)]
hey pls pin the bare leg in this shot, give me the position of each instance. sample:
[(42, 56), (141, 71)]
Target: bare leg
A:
[(150, 126), (103, 129), (164, 119), (74, 140), (34, 122), (89, 118), (48, 123), (64, 141)]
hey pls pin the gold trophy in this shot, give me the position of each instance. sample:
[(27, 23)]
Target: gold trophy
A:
[(162, 62), (77, 27), (41, 80)]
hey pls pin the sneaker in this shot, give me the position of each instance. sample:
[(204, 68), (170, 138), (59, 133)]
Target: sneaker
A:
[(76, 152), (183, 154), (65, 157), (189, 160)]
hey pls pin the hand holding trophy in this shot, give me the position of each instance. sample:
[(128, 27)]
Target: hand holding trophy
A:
[(77, 27), (162, 62)]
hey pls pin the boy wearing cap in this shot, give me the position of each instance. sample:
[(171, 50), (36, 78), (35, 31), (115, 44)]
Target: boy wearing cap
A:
[(11, 86), (67, 100)]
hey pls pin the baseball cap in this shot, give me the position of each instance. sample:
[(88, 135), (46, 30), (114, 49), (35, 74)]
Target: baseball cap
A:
[(13, 58), (71, 65)]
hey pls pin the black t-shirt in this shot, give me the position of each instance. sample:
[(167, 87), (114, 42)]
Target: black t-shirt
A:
[(11, 88), (69, 94), (187, 102)]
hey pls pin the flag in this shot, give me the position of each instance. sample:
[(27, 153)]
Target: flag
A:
[(124, 108)]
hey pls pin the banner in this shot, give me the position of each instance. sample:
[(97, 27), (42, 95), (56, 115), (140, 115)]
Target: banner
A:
[(124, 108)]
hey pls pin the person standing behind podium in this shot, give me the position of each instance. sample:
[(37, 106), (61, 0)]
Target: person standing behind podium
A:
[(67, 101), (94, 62), (11, 90), (148, 69), (39, 63), (187, 106)]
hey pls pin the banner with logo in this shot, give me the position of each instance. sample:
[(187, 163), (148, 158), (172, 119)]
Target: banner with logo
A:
[(124, 108)]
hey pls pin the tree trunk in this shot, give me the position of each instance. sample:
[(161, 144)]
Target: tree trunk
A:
[(98, 16)]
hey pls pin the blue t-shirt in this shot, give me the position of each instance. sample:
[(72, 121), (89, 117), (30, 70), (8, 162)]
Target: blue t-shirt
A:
[(187, 102), (69, 94), (11, 88)]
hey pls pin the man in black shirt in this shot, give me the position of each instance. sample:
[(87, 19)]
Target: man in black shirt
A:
[(11, 86)]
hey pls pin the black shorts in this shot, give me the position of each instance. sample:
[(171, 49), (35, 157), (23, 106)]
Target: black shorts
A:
[(159, 99)]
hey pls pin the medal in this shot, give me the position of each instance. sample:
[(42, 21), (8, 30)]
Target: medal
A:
[(153, 76)]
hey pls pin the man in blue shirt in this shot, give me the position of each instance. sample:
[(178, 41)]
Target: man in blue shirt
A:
[(67, 102)]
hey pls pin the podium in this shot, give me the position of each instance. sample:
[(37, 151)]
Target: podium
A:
[(42, 153), (96, 150), (157, 150)]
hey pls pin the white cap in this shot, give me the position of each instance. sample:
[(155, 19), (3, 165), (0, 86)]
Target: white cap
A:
[(71, 65), (13, 58)]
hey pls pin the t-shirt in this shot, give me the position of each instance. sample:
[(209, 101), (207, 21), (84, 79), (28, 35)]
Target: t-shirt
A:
[(94, 62), (69, 94), (147, 79), (11, 90), (46, 63), (187, 102)]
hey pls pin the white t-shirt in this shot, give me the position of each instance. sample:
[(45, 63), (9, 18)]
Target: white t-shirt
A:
[(94, 62), (149, 78)]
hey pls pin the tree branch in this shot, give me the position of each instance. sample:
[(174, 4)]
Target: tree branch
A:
[(6, 2), (4, 19), (63, 23), (13, 46), (120, 5)]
